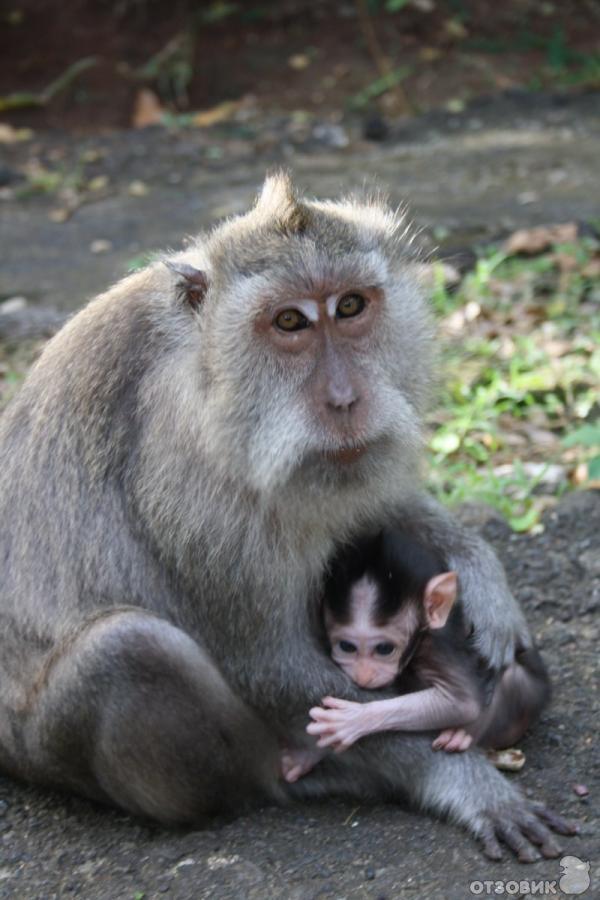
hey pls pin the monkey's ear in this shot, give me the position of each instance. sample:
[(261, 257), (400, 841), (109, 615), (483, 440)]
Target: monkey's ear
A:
[(440, 596), (193, 283)]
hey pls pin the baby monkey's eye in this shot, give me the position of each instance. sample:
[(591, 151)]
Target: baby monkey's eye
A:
[(350, 305), (385, 649), (347, 647), (291, 320)]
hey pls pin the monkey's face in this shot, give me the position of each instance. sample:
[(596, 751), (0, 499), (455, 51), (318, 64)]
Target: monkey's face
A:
[(371, 653), (317, 346), (320, 341)]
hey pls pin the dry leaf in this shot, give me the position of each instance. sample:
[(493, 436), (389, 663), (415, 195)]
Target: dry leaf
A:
[(137, 189), (579, 475), (101, 246), (535, 240), (510, 760), (147, 109), (430, 54), (10, 135), (60, 215), (455, 29), (592, 269), (565, 262), (299, 61), (98, 183), (221, 113)]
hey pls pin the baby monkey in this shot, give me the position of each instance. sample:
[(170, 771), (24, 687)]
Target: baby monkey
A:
[(393, 616)]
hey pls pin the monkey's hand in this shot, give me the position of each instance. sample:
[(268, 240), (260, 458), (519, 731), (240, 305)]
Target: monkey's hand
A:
[(453, 740), (297, 762), (339, 723)]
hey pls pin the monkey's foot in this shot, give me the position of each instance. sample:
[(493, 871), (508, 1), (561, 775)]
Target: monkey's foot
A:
[(453, 740), (296, 763), (526, 828)]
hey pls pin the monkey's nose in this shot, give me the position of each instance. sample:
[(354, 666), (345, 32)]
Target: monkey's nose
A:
[(342, 398), (364, 679)]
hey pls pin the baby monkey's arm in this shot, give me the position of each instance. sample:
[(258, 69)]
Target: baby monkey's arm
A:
[(339, 723)]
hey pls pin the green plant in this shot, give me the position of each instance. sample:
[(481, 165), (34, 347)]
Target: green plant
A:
[(521, 360), (378, 87)]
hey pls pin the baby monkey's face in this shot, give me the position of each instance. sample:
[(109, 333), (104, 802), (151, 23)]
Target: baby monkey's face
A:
[(370, 653), (373, 653)]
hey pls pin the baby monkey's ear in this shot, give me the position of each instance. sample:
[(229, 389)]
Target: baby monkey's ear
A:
[(439, 598), (192, 283)]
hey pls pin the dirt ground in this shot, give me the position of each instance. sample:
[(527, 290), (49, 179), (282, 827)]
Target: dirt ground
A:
[(53, 846), (469, 177)]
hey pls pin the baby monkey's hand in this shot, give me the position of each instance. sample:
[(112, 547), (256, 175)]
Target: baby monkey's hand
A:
[(339, 723), (453, 740)]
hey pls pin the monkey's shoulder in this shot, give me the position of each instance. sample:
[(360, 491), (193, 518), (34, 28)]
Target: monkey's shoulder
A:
[(447, 657)]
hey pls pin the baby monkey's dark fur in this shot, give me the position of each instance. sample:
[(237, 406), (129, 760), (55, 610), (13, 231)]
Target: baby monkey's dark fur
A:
[(499, 706)]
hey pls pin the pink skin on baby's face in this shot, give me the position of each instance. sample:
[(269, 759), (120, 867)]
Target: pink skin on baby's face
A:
[(368, 653)]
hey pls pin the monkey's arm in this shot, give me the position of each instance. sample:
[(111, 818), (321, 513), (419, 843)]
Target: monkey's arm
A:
[(488, 603), (339, 723)]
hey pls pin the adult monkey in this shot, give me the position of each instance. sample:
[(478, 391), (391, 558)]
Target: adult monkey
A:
[(174, 475)]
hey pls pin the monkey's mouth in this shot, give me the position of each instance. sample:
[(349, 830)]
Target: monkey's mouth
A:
[(347, 455)]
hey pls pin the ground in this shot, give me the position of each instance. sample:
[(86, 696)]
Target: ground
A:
[(53, 846), (78, 211)]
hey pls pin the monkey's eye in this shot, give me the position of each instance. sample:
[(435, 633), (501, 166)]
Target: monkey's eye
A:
[(291, 320), (385, 649), (347, 647), (350, 305)]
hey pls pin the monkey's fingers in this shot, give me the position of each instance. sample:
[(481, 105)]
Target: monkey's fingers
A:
[(457, 740), (442, 739), (293, 775), (337, 703), (491, 845), (514, 837), (323, 715), (321, 728), (557, 823), (539, 834), (329, 740), (524, 829)]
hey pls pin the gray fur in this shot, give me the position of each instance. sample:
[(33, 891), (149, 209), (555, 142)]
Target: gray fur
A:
[(167, 515)]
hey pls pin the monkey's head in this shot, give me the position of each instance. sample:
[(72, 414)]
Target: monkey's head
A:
[(382, 593), (314, 340)]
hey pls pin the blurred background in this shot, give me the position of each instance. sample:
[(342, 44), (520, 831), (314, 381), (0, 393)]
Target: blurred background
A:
[(83, 64), (126, 125)]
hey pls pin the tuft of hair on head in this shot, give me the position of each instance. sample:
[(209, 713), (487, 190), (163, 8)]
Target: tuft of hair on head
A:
[(402, 566), (277, 205)]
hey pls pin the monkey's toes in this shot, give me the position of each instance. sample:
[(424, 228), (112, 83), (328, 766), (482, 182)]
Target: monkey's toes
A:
[(526, 831), (554, 821)]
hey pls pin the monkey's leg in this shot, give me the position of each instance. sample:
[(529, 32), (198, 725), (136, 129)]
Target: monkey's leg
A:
[(131, 711), (462, 786), (519, 698)]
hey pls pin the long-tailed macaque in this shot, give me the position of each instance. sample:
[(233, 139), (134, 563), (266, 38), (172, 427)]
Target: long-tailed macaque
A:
[(174, 475), (393, 615)]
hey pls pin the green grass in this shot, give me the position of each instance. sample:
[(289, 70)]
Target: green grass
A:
[(521, 377)]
